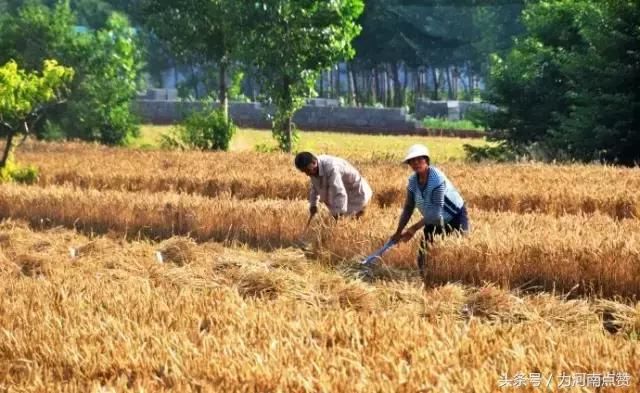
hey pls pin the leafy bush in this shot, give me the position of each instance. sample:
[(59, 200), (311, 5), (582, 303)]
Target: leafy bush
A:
[(499, 153), (279, 127), (437, 123), (265, 148), (13, 172), (203, 130), (52, 131), (235, 90)]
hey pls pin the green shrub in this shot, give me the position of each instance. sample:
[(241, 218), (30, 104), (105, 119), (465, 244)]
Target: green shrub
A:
[(13, 172), (203, 130), (52, 131), (445, 124), (499, 153), (279, 125), (266, 148)]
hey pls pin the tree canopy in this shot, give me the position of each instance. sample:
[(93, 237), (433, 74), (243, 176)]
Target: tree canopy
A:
[(24, 96), (290, 42), (569, 88)]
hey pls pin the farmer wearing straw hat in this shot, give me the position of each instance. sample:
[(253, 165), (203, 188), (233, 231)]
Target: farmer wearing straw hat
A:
[(442, 207), (336, 183)]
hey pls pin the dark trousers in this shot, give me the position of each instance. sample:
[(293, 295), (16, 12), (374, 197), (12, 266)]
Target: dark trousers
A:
[(459, 224)]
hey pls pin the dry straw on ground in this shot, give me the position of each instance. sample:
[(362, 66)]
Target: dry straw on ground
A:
[(236, 307), (511, 249), (139, 325)]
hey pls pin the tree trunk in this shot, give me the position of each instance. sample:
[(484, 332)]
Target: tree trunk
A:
[(351, 86), (382, 97), (382, 86), (289, 131), (288, 137), (395, 83), (330, 84), (337, 81), (385, 87), (435, 83), (175, 74), (7, 148), (361, 87), (447, 75), (403, 84), (375, 87), (224, 103), (465, 87), (442, 81), (408, 81), (356, 90), (321, 90), (388, 88), (424, 84), (455, 80), (252, 82)]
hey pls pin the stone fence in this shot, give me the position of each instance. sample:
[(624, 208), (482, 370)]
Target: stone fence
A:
[(309, 117), (317, 115), (451, 110)]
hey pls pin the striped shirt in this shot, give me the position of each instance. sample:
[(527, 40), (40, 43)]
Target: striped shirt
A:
[(438, 201)]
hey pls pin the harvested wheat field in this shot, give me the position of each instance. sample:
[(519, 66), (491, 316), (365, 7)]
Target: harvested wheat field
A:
[(128, 270), (520, 188)]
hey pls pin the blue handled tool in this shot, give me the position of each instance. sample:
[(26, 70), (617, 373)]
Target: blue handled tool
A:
[(371, 259)]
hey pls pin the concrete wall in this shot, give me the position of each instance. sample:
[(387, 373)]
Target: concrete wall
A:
[(309, 117), (451, 110), (160, 106)]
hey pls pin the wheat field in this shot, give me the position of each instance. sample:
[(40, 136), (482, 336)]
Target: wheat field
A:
[(136, 270)]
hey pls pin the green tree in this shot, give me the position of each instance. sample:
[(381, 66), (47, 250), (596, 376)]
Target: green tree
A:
[(447, 38), (290, 42), (107, 65), (569, 87), (603, 120), (100, 109), (201, 31), (35, 32), (25, 96)]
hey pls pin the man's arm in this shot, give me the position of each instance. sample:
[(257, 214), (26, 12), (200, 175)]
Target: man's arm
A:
[(313, 198), (337, 193)]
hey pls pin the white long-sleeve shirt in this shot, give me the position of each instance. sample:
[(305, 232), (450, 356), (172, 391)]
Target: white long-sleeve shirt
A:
[(340, 186)]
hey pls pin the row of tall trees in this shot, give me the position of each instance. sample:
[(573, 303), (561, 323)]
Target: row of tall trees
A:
[(564, 73), (285, 43), (430, 48)]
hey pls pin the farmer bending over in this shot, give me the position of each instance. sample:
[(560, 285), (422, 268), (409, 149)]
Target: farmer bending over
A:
[(336, 183), (442, 207)]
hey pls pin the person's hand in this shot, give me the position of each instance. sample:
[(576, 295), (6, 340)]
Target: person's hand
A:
[(313, 210)]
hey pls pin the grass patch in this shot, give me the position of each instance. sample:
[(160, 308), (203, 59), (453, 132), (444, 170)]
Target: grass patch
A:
[(443, 124), (342, 144)]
